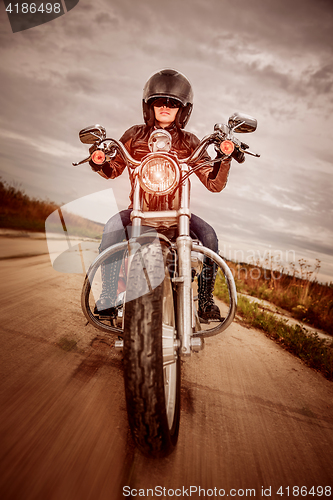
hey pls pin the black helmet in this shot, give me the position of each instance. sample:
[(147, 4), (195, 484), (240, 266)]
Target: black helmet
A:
[(172, 84)]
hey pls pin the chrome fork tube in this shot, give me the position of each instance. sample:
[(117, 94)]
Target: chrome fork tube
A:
[(133, 246), (184, 246), (136, 221)]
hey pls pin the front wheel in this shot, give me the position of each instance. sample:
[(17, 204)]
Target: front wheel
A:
[(152, 366)]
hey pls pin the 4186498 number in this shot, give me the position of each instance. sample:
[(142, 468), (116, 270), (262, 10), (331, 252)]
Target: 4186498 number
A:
[(32, 8), (303, 491)]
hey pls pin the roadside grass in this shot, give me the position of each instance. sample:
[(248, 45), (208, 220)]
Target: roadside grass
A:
[(20, 211), (315, 352), (296, 291)]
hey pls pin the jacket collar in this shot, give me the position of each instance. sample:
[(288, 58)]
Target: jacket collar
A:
[(171, 128)]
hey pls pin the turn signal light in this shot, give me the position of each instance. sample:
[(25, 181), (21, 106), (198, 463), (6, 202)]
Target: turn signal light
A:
[(227, 147), (98, 157)]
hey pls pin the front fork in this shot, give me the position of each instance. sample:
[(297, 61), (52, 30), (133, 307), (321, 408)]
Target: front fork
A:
[(184, 248), (184, 279), (189, 340), (184, 294)]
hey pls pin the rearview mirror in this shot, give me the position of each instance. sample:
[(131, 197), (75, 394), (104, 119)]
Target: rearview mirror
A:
[(241, 123), (92, 134)]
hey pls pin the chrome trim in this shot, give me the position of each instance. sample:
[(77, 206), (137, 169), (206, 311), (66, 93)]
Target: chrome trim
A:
[(168, 342), (92, 134), (75, 164), (232, 292), (125, 245), (197, 344), (160, 140), (90, 276), (184, 294), (206, 141), (123, 152), (241, 123), (173, 165), (160, 214), (119, 345)]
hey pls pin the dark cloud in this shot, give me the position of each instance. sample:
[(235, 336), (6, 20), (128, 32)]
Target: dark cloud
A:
[(268, 58), (293, 25), (322, 79), (82, 80), (270, 74), (106, 18)]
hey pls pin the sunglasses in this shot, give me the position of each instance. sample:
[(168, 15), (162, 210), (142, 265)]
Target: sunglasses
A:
[(165, 101)]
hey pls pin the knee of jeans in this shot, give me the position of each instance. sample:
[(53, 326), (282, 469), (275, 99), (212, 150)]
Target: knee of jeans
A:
[(104, 245), (211, 242)]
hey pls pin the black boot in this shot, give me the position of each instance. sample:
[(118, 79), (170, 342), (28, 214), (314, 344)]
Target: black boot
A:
[(105, 305), (207, 310)]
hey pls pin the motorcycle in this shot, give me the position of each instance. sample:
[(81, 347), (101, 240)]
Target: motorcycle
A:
[(156, 321)]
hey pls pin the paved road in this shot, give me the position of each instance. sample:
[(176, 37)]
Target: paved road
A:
[(252, 415)]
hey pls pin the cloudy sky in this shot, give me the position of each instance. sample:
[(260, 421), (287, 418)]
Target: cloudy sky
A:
[(267, 58)]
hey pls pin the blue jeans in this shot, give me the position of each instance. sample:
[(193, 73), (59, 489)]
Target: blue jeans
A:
[(115, 230)]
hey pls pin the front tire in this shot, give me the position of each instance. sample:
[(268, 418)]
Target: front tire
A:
[(151, 363)]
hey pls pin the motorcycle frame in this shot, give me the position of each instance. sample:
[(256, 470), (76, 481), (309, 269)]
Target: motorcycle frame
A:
[(191, 339), (184, 246)]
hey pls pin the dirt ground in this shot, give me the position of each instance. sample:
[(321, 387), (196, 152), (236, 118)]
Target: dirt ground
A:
[(253, 417)]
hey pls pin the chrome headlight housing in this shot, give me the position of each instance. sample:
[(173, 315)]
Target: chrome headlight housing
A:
[(159, 174), (160, 140)]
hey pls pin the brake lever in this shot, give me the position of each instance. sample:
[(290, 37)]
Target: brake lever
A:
[(248, 152), (80, 162)]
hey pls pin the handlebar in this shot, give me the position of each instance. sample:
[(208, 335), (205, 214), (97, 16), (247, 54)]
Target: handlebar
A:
[(120, 147), (218, 135), (123, 153)]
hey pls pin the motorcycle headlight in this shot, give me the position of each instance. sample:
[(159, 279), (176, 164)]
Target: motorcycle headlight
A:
[(159, 175)]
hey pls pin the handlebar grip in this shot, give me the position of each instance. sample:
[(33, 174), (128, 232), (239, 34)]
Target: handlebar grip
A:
[(238, 156), (95, 167)]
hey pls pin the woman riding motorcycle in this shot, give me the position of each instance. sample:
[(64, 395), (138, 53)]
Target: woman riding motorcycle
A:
[(167, 103)]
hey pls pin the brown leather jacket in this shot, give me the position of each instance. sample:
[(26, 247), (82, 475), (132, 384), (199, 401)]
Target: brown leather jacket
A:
[(135, 140)]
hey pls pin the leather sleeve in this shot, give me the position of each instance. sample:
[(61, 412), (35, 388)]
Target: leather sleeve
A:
[(215, 177), (116, 167)]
